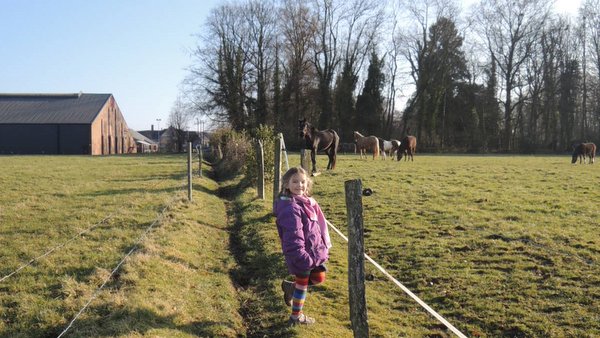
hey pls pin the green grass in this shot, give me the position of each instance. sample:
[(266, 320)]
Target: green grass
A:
[(176, 284), (501, 246)]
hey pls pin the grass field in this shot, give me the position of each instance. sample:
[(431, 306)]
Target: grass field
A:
[(501, 246), (177, 282)]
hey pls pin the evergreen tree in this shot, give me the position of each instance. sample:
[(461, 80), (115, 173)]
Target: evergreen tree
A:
[(369, 105), (344, 103)]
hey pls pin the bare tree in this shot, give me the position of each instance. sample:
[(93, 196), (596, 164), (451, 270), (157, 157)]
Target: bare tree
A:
[(590, 16), (261, 35), (511, 28), (298, 28), (361, 24), (326, 56), (218, 77), (414, 40), (179, 120)]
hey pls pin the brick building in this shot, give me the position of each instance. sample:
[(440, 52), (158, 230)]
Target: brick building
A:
[(63, 124)]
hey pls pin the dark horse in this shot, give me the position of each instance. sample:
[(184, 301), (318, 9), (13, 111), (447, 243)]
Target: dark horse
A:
[(584, 150), (319, 140), (408, 146)]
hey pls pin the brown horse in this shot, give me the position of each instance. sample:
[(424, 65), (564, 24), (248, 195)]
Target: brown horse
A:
[(584, 150), (366, 143), (319, 140), (408, 146)]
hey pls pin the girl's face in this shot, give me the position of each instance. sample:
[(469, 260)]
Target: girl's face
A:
[(298, 184)]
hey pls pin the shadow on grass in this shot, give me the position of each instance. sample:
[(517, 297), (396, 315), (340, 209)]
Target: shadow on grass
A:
[(117, 322), (264, 312), (203, 189), (128, 191)]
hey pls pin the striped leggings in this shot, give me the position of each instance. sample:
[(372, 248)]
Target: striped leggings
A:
[(313, 277)]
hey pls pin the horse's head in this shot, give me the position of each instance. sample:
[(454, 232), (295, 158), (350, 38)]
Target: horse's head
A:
[(357, 136), (303, 127), (574, 159)]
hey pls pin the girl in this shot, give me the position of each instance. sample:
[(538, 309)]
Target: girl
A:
[(304, 238)]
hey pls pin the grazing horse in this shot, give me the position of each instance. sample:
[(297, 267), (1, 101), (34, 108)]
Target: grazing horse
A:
[(319, 140), (408, 146), (366, 143), (385, 146), (584, 150), (395, 147)]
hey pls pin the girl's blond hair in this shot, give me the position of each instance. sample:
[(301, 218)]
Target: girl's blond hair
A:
[(285, 180)]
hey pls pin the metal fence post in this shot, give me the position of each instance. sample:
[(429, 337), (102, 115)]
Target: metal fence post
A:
[(189, 168), (200, 155), (277, 170), (260, 159)]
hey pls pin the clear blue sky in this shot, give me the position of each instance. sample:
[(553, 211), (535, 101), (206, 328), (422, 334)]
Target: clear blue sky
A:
[(135, 49)]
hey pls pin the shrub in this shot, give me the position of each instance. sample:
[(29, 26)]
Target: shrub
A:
[(267, 135), (234, 147)]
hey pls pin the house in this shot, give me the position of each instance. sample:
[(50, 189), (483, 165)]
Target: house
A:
[(168, 139), (63, 124), (144, 144)]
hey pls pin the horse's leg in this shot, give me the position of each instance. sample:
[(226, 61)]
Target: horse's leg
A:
[(313, 159), (334, 158)]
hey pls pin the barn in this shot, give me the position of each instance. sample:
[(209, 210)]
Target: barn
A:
[(77, 123)]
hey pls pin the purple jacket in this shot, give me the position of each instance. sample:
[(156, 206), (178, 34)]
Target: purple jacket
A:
[(301, 240)]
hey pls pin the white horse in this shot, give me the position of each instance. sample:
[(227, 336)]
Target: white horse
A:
[(387, 147)]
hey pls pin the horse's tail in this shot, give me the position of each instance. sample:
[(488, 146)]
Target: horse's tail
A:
[(334, 150)]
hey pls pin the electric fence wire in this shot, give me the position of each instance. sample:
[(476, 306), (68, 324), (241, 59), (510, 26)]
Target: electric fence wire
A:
[(33, 260), (406, 290), (97, 292)]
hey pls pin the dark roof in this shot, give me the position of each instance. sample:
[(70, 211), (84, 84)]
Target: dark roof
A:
[(139, 137), (51, 108)]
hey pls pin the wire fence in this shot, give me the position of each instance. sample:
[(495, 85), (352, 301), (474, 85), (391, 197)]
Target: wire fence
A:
[(133, 249), (33, 260), (406, 290)]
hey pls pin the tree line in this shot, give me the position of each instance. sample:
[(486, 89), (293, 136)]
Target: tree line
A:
[(499, 76)]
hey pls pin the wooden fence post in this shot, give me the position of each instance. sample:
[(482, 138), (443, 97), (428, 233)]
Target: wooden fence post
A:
[(356, 259), (260, 159), (305, 160), (277, 170), (189, 171)]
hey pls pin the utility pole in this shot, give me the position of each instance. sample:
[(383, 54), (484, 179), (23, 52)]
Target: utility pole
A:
[(158, 129)]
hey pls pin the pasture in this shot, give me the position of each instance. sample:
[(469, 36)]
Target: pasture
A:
[(174, 284), (499, 245)]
